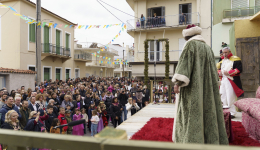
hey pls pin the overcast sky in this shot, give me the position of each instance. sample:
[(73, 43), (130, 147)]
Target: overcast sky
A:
[(90, 12)]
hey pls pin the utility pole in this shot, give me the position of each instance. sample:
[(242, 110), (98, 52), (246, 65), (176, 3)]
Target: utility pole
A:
[(38, 43), (123, 63), (123, 60)]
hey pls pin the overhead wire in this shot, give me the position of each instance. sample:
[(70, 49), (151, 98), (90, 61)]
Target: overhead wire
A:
[(117, 9), (110, 12), (8, 10)]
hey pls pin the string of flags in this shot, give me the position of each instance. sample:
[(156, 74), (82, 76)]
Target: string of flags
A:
[(42, 24)]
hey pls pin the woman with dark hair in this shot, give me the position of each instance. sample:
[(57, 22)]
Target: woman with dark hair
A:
[(12, 93), (116, 111), (142, 19)]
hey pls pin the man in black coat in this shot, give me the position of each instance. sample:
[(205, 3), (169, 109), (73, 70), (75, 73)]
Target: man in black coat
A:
[(82, 91), (123, 100)]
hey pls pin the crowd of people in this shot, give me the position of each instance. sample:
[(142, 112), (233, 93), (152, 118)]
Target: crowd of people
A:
[(98, 101)]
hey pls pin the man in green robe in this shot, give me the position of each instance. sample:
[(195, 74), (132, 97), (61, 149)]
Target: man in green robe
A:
[(199, 117)]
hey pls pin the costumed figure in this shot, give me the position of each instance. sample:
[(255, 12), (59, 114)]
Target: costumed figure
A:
[(199, 114), (229, 70), (78, 129)]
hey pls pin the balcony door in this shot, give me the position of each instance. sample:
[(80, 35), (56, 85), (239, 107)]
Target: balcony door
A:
[(46, 39), (186, 9), (160, 11), (155, 51), (58, 35)]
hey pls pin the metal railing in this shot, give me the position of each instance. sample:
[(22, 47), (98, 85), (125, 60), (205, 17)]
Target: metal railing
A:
[(88, 45), (55, 50), (240, 12), (69, 142), (164, 21), (85, 56)]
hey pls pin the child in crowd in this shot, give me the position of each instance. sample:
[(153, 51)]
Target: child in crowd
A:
[(62, 118), (85, 116), (68, 107), (48, 122), (94, 123), (100, 123), (56, 122), (55, 109), (104, 115), (78, 129), (91, 108), (68, 118)]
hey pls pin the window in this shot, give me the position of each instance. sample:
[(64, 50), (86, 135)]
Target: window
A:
[(240, 3), (257, 2), (67, 41), (58, 38), (67, 74), (58, 73), (155, 51), (77, 73), (32, 32), (2, 82), (46, 39), (47, 74), (32, 68), (185, 14)]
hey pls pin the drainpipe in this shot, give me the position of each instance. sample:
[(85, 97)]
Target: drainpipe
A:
[(211, 21)]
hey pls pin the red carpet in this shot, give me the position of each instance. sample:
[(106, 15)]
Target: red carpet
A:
[(160, 129)]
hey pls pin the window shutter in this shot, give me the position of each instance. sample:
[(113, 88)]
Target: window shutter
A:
[(239, 4), (163, 11), (67, 41), (33, 32), (30, 32), (257, 2)]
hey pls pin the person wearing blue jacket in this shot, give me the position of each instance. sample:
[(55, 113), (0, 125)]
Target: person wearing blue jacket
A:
[(8, 106), (142, 19)]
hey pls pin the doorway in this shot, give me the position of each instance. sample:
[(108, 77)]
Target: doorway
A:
[(248, 50), (185, 13), (58, 74), (67, 74), (47, 72), (76, 73)]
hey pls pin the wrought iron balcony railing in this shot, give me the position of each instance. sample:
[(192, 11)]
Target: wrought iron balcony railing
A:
[(164, 21), (48, 48)]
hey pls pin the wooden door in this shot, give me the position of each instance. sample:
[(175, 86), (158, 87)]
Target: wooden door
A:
[(247, 49)]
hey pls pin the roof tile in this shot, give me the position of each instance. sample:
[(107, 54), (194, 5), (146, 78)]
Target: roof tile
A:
[(9, 70)]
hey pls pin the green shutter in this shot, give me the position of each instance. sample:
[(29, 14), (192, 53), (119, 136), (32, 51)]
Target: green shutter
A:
[(67, 74), (67, 40), (58, 74), (46, 39), (32, 32), (46, 74), (57, 42)]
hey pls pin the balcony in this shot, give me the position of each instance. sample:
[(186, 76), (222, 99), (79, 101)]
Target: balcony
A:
[(163, 22), (93, 47), (230, 15), (50, 50), (85, 57)]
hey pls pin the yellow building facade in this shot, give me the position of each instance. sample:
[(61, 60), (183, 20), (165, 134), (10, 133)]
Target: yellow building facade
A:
[(172, 16), (18, 47)]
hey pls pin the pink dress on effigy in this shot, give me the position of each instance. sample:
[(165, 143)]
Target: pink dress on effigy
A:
[(78, 129)]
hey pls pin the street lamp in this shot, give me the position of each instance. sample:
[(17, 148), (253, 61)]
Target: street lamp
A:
[(101, 71)]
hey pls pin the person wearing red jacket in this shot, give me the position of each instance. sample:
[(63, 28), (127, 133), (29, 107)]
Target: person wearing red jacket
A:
[(62, 118)]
